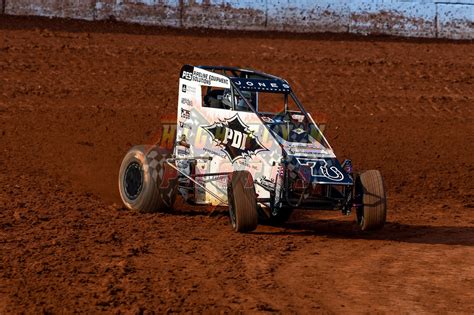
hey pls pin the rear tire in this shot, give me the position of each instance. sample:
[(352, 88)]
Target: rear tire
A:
[(146, 183), (242, 200), (372, 212)]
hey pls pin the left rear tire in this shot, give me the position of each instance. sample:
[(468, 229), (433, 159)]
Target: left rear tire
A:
[(146, 183)]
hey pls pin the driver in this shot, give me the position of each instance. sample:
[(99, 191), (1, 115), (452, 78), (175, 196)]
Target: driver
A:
[(239, 101), (227, 99)]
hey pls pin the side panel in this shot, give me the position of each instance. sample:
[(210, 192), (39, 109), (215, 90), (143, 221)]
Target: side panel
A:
[(235, 140), (238, 141)]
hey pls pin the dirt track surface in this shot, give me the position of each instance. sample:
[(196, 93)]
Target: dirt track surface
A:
[(75, 96)]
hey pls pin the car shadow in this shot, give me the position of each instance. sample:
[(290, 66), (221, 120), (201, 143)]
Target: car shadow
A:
[(344, 229), (392, 231), (208, 211)]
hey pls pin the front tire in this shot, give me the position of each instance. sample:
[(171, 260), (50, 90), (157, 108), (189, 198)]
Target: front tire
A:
[(146, 183), (242, 200), (372, 208)]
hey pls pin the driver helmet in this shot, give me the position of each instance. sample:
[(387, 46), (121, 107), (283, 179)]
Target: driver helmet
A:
[(227, 98), (239, 101)]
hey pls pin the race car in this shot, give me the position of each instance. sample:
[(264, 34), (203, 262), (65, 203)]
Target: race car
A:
[(244, 141)]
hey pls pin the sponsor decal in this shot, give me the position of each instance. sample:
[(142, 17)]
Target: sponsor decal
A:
[(299, 131), (267, 119), (204, 77), (320, 168), (186, 101), (183, 151), (186, 114), (297, 117), (259, 85), (235, 138), (185, 125), (187, 75), (214, 152), (188, 89)]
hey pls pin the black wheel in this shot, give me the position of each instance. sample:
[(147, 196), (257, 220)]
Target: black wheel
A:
[(146, 183), (242, 201), (372, 209)]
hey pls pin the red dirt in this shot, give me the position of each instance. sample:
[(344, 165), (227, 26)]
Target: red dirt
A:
[(75, 96)]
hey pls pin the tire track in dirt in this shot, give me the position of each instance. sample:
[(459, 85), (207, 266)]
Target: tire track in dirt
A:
[(400, 272), (373, 275)]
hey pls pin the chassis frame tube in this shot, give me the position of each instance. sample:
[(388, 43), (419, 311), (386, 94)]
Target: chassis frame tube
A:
[(169, 162)]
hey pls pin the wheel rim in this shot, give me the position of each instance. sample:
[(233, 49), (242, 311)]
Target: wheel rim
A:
[(133, 180)]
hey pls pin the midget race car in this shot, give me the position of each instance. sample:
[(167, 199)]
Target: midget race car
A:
[(244, 141)]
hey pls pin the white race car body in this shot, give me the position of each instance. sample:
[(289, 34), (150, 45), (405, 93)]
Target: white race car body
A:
[(214, 140)]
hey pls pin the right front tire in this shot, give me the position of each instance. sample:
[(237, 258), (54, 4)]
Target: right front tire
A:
[(372, 208), (242, 200)]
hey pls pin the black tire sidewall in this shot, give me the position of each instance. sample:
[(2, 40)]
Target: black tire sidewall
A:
[(152, 197), (135, 155), (243, 200), (231, 202), (370, 217)]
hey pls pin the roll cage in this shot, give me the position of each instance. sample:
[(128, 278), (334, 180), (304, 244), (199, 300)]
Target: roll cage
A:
[(247, 80)]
